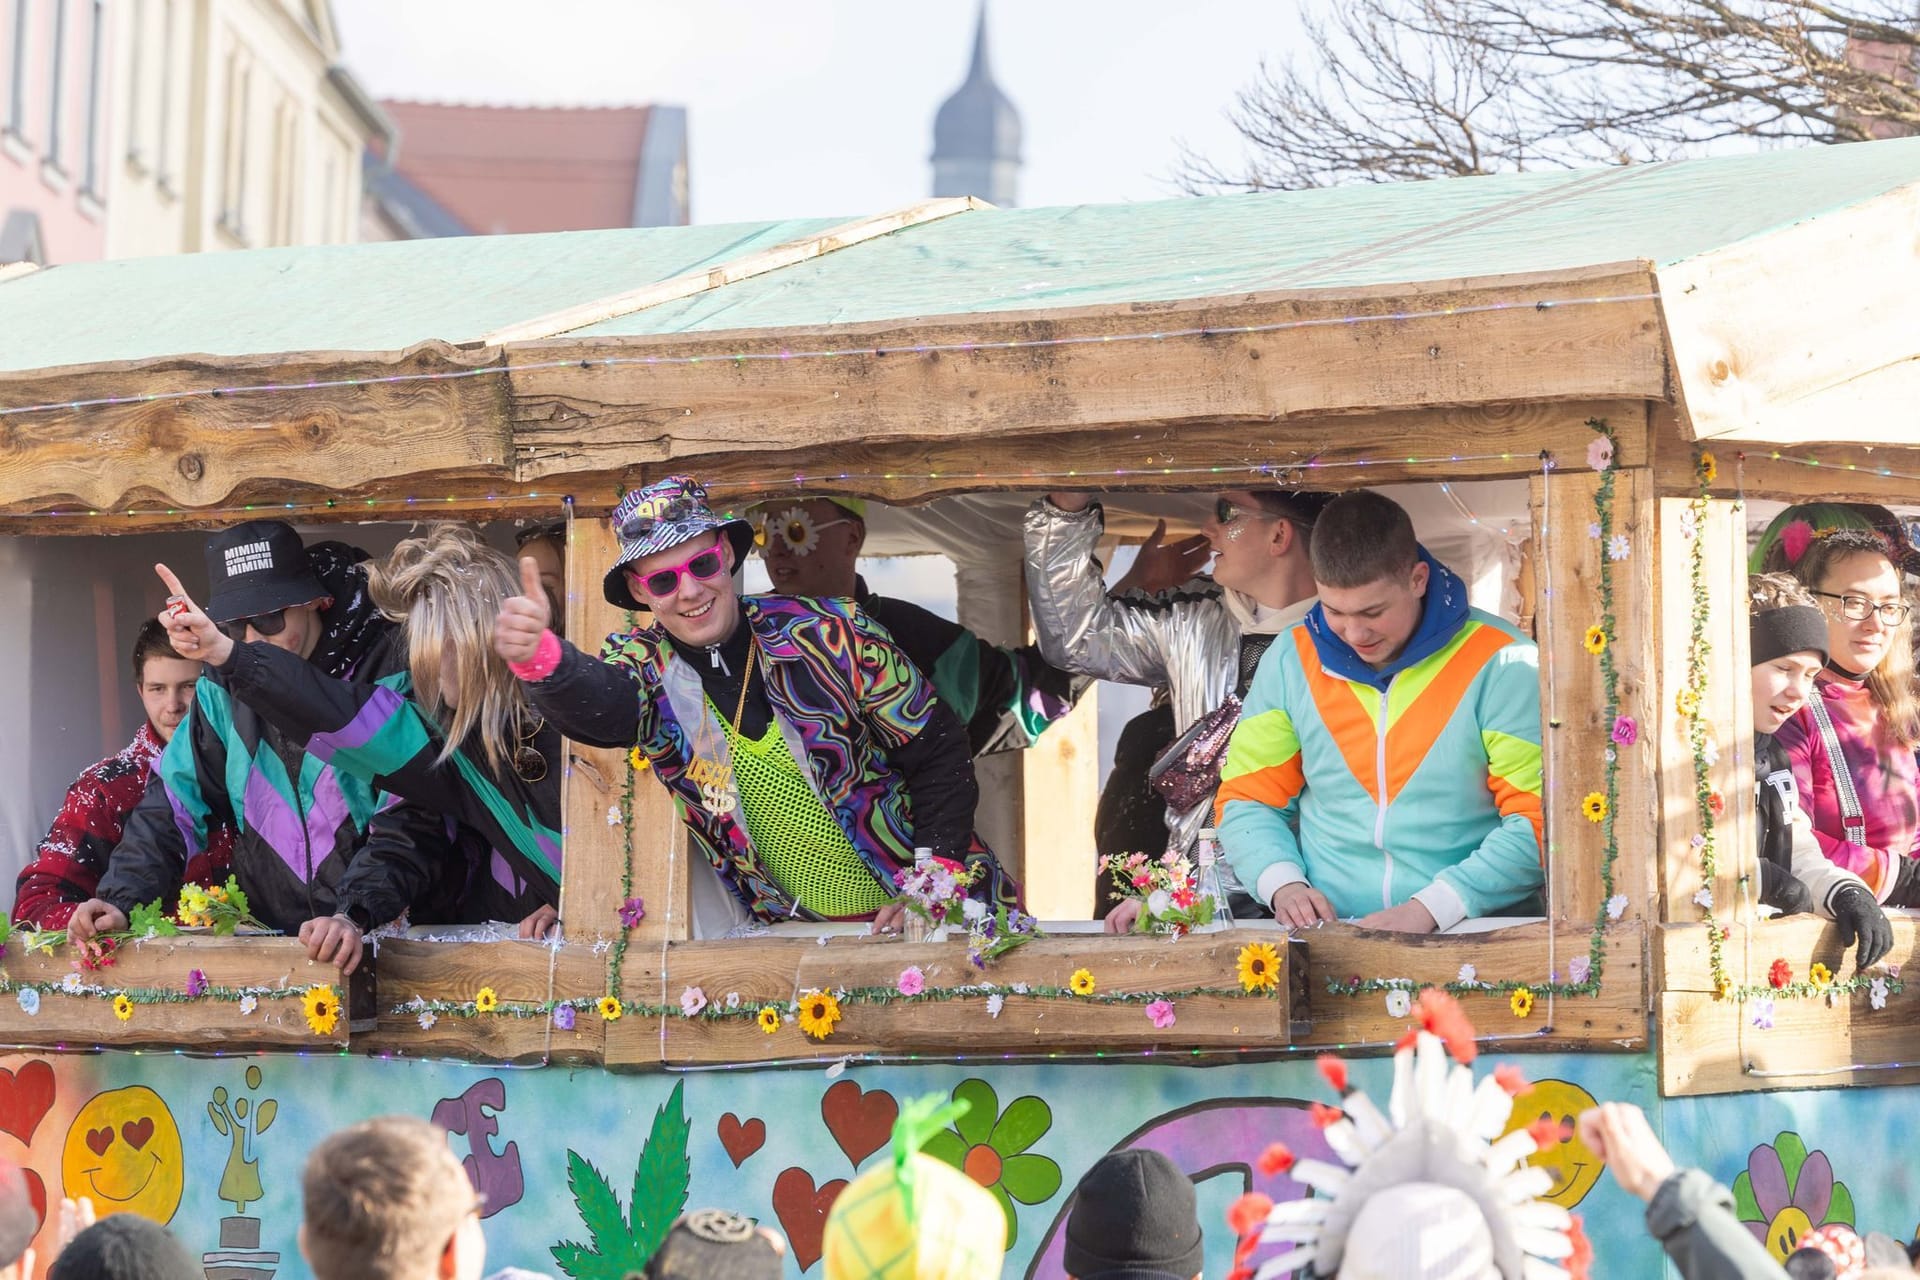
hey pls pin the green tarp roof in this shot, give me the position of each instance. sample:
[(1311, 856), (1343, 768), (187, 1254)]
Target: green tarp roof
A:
[(389, 296)]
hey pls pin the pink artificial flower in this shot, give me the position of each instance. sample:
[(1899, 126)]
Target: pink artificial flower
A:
[(196, 983), (1136, 860), (633, 911), (692, 1001), (1626, 731), (1142, 881), (1600, 453), (911, 981), (1160, 1013), (1182, 897), (1796, 538)]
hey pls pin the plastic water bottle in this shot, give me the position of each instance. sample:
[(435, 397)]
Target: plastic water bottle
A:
[(914, 927), (1206, 859)]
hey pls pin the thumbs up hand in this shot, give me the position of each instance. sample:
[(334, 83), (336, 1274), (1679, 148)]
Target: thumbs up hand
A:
[(193, 634), (523, 618)]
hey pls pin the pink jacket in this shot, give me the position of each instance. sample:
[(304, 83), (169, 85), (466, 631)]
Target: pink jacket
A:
[(1885, 778)]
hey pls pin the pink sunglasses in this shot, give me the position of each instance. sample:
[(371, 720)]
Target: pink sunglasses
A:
[(701, 566)]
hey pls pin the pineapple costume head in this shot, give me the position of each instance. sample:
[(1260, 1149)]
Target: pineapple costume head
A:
[(915, 1217)]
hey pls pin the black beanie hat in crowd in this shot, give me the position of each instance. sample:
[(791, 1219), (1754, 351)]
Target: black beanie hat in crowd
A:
[(1134, 1214), (124, 1247), (1797, 628)]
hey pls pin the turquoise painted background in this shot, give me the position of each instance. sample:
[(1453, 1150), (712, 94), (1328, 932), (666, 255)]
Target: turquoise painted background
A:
[(774, 1143)]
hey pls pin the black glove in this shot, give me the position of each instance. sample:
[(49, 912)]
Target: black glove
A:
[(1858, 916), (1782, 890)]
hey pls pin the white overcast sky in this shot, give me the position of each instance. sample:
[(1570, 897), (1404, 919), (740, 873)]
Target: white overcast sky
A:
[(825, 107)]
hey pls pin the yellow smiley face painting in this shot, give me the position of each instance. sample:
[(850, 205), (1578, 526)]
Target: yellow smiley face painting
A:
[(1574, 1166), (124, 1152)]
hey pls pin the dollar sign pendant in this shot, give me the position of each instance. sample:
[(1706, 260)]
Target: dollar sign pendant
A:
[(716, 797)]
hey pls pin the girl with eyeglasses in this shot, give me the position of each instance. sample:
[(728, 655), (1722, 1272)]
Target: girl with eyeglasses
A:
[(1851, 748)]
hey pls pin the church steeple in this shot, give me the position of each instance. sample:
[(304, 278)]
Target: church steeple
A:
[(976, 134)]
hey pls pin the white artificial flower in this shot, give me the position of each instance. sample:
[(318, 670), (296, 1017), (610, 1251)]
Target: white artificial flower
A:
[(248, 1004), (613, 815), (71, 984), (1619, 547), (1704, 898), (29, 998), (1399, 1002), (427, 1019), (1469, 974), (1877, 993), (1159, 902), (1616, 906), (973, 910), (733, 999), (995, 1003)]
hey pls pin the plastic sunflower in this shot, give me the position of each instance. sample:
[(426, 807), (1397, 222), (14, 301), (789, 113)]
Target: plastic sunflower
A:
[(1259, 966), (1686, 702), (122, 1008), (485, 1001), (609, 1007), (768, 1018), (637, 760), (322, 1008), (1709, 469), (1081, 983), (819, 1011), (1521, 1001), (1595, 640), (1594, 807)]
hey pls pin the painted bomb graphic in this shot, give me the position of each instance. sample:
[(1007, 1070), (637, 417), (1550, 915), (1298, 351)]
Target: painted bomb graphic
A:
[(124, 1152)]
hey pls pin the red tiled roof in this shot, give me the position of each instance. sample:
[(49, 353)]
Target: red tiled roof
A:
[(514, 169)]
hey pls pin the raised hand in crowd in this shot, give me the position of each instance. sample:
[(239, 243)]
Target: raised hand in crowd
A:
[(1162, 566), (93, 917), (192, 633), (1619, 1134), (523, 618)]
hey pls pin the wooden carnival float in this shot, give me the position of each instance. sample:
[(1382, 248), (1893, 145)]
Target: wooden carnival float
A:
[(1639, 347)]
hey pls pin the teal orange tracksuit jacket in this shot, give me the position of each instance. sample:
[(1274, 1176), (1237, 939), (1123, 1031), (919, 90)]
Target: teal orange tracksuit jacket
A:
[(1418, 781)]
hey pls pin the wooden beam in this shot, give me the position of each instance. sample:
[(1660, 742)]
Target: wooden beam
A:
[(1805, 333), (1725, 709), (595, 845), (595, 404), (1061, 782), (1814, 471), (164, 963), (790, 253), (517, 971), (1578, 730), (235, 447)]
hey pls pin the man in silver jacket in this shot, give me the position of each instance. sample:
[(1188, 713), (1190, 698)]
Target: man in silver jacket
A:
[(1200, 640)]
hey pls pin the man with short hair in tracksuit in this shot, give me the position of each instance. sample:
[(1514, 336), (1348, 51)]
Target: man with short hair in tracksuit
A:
[(1386, 767)]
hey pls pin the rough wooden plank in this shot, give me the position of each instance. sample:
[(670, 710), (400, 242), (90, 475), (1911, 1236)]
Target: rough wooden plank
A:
[(202, 451), (1753, 946), (517, 971), (974, 377), (759, 971), (164, 963), (1578, 730), (1711, 1046), (1615, 1019), (1810, 471), (1061, 782), (779, 256), (1721, 533), (596, 848), (1753, 326)]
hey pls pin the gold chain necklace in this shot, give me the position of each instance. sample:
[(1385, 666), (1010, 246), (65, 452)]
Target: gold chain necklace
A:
[(716, 780)]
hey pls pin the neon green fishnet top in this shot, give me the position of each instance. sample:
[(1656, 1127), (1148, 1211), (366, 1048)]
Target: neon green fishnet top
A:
[(796, 836)]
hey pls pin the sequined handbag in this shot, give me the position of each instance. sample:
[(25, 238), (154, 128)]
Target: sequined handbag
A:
[(1188, 772)]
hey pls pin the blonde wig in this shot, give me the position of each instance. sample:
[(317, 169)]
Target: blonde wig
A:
[(445, 589), (1891, 682)]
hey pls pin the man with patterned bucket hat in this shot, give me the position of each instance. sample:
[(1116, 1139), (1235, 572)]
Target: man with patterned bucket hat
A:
[(810, 757)]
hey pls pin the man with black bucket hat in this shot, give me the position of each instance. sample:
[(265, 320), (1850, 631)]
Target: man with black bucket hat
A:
[(301, 822), (1134, 1215), (810, 757)]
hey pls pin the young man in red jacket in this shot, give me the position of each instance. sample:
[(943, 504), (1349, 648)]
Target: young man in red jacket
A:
[(67, 864)]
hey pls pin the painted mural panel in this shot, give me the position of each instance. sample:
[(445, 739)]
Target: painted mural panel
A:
[(583, 1169)]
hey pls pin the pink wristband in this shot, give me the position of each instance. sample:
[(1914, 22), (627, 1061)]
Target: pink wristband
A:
[(544, 660)]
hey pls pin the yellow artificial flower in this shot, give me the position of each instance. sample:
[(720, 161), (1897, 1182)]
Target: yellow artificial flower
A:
[(195, 906), (1820, 976), (122, 1008), (769, 1019), (819, 1011), (1521, 1001), (1259, 966), (1595, 640), (1081, 983), (485, 1000), (637, 761), (1709, 469), (322, 1008), (609, 1007), (1687, 702), (1723, 987), (1594, 807)]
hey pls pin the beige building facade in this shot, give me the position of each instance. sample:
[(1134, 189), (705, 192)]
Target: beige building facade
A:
[(238, 128)]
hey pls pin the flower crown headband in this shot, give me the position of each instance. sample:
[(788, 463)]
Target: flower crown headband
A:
[(1797, 537), (1439, 1127)]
